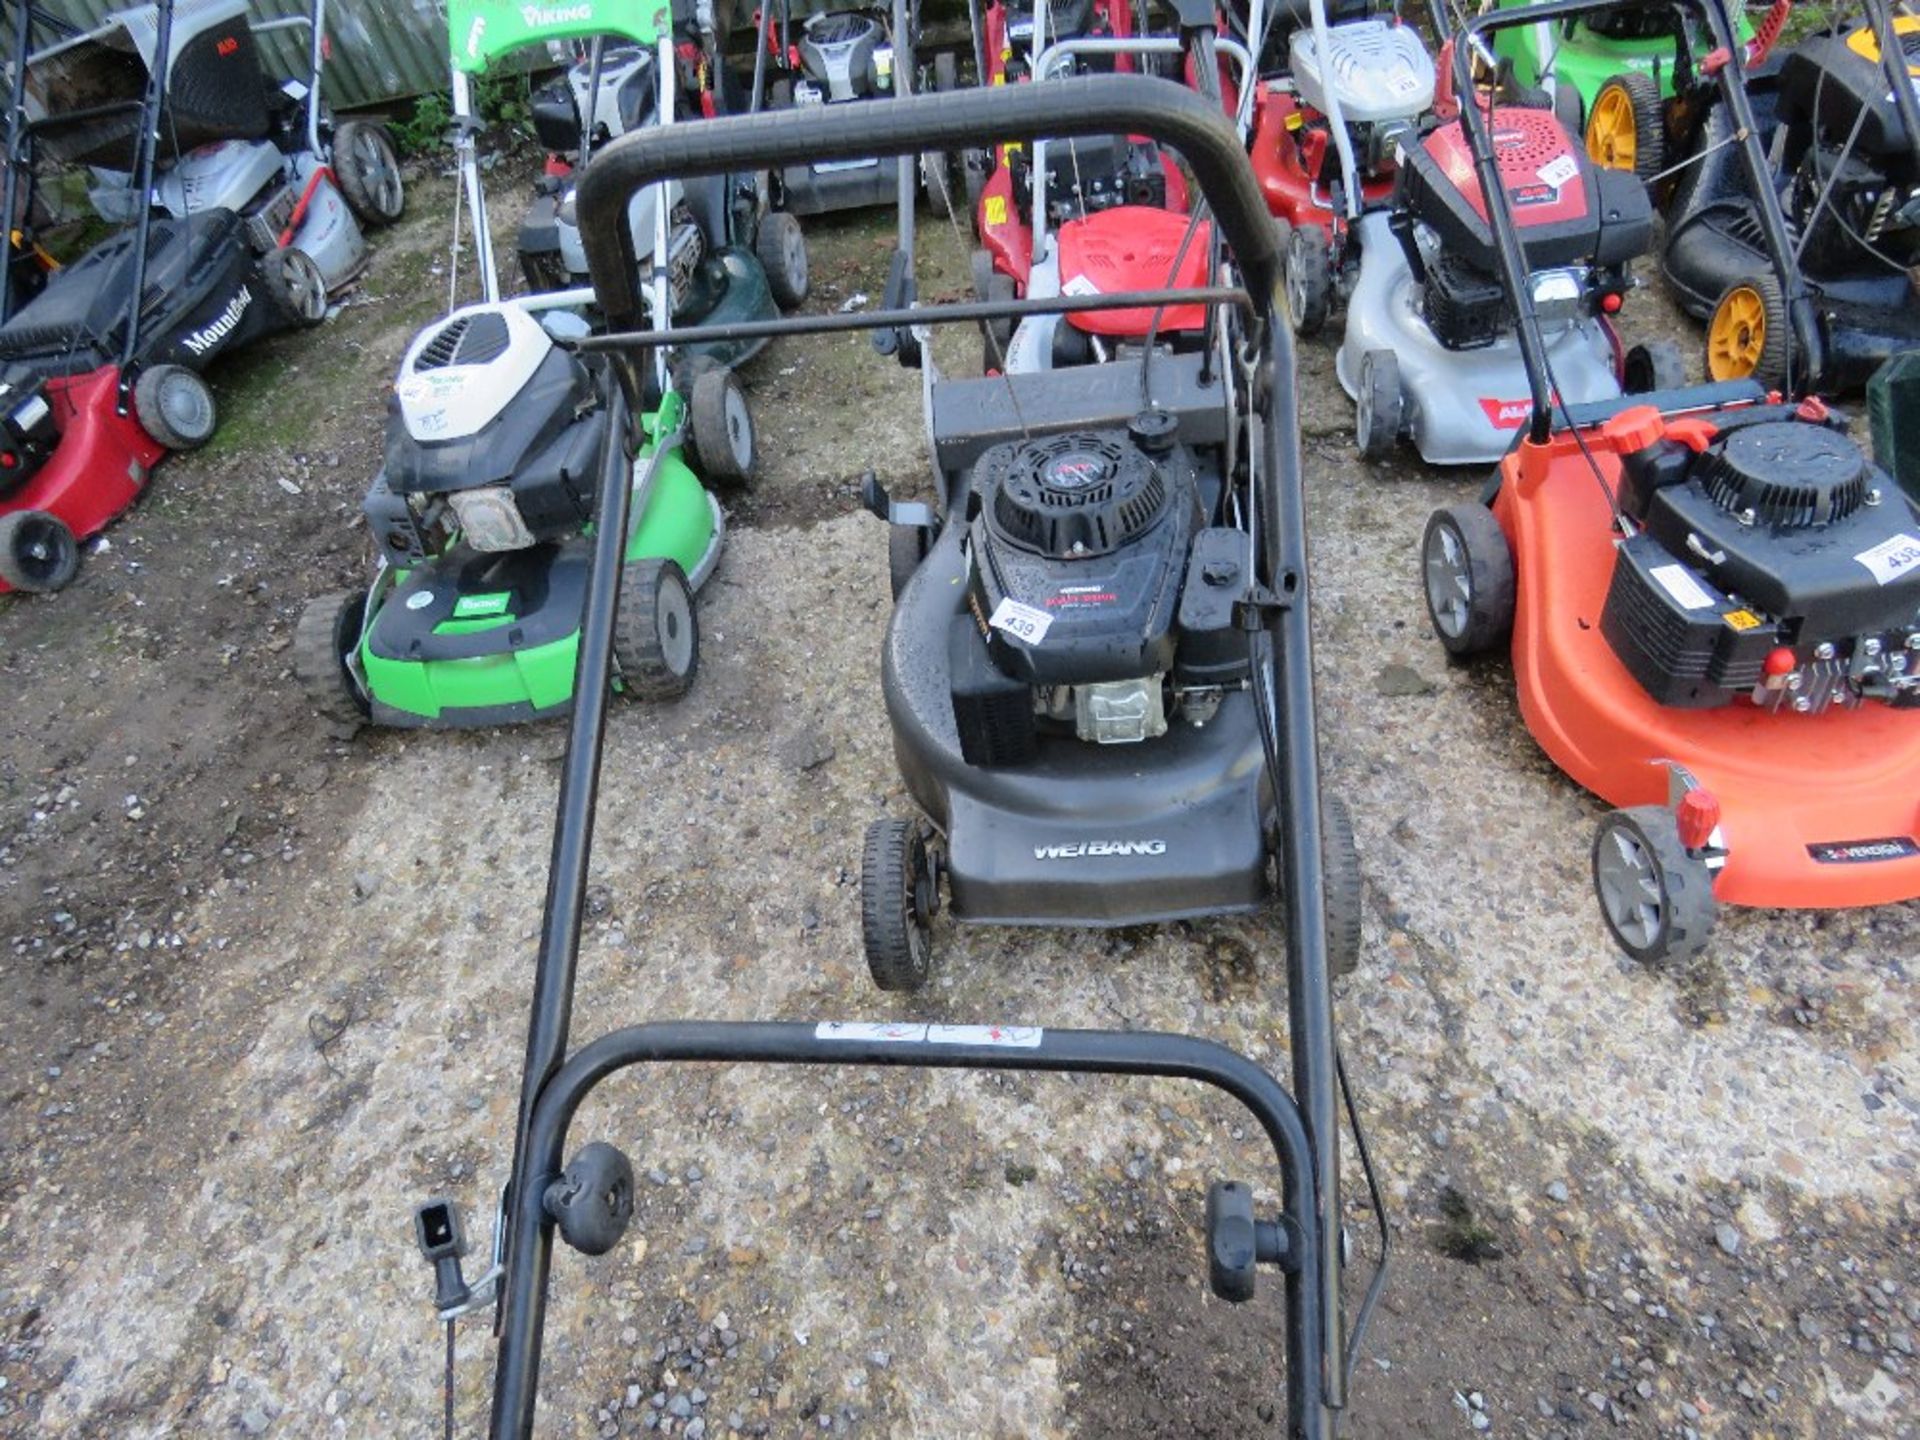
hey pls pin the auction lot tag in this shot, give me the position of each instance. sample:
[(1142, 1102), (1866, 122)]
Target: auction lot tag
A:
[(1891, 559), (1022, 622), (1559, 170), (1018, 1037), (896, 1034)]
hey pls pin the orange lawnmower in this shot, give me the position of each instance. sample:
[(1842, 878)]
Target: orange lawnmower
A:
[(1713, 598)]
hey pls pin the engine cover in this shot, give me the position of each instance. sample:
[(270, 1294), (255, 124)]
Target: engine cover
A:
[(1835, 82), (1078, 548), (845, 51), (1379, 71)]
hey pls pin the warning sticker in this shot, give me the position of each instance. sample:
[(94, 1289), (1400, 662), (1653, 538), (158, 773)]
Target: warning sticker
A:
[(1559, 170), (996, 209), (1079, 285), (1022, 622), (896, 1034), (1675, 580), (1892, 559), (1741, 620), (1018, 1037)]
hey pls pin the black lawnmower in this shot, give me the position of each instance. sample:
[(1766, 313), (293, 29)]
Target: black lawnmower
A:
[(1206, 440)]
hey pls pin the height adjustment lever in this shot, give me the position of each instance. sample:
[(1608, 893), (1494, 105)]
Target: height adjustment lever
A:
[(443, 1240)]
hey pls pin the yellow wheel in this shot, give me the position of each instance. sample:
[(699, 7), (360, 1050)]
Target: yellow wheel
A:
[(1748, 334), (1626, 128)]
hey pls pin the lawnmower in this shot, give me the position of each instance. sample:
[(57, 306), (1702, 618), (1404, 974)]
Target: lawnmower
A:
[(1327, 136), (588, 1199), (499, 443), (304, 185), (1430, 349), (729, 256), (1630, 54), (1844, 158), (1713, 598), (99, 370)]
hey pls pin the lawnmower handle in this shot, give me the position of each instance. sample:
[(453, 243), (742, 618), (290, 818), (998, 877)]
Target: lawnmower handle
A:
[(1059, 109)]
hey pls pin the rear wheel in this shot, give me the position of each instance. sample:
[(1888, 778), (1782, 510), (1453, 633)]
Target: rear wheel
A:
[(175, 406), (1340, 874), (1749, 334), (656, 636), (38, 553), (295, 285), (906, 548), (1657, 899), (1377, 423), (1467, 568), (1309, 279), (722, 422), (368, 168), (1626, 129), (1654, 367), (782, 249), (999, 332), (323, 644), (1569, 108), (899, 896)]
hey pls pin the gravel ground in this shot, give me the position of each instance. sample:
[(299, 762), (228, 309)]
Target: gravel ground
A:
[(267, 991)]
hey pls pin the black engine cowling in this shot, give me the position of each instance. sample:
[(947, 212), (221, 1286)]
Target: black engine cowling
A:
[(1777, 563)]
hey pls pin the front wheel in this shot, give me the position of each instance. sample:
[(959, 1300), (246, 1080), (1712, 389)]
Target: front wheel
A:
[(38, 553), (1626, 128), (1382, 406), (907, 546), (323, 644), (782, 249), (174, 406), (1749, 334), (899, 896), (1340, 874), (295, 285), (1654, 368), (1656, 897), (722, 422), (1309, 279), (1466, 566), (656, 637)]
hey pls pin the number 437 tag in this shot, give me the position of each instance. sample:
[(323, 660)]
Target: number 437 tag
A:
[(1022, 622)]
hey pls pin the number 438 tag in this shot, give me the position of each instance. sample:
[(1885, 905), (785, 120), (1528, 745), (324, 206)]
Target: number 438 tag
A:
[(1022, 622)]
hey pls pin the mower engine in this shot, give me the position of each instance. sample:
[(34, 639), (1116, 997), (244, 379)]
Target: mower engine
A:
[(845, 55), (1772, 561), (1066, 20), (1581, 226), (1381, 74), (1087, 176), (492, 440), (1099, 603), (569, 108), (28, 432)]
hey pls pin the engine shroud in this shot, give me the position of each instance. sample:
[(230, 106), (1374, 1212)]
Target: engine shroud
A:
[(1089, 529)]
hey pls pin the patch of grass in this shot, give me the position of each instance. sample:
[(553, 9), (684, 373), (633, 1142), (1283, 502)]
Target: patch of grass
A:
[(1461, 1235)]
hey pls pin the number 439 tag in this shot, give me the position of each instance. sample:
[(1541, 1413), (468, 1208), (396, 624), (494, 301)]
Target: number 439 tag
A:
[(1022, 622)]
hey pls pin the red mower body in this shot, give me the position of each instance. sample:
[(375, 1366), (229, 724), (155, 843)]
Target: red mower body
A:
[(1293, 158), (1817, 811), (101, 464), (1132, 248)]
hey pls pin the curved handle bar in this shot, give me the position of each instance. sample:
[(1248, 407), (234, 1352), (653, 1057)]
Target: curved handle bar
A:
[(1059, 109)]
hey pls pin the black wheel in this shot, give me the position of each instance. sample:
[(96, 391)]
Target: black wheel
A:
[(1654, 367), (1656, 898), (1627, 127), (899, 896), (592, 1201), (1309, 279), (722, 421), (999, 333), (946, 71), (1467, 567), (656, 636), (975, 166), (1570, 109), (38, 553), (175, 406), (783, 251), (1341, 875), (368, 169), (323, 646), (906, 547), (1381, 404), (780, 95), (295, 285), (1749, 334)]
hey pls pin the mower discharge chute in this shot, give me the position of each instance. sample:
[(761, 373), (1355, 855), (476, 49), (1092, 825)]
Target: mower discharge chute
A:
[(1182, 424), (1713, 599), (99, 371)]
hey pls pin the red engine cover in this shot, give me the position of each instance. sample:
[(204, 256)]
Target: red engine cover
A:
[(1132, 247), (1538, 163)]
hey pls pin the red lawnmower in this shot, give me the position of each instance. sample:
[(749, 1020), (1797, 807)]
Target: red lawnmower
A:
[(1713, 598)]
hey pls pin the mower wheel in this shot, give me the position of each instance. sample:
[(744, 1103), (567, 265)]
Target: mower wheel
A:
[(998, 337), (1749, 334), (656, 636), (592, 1201), (1340, 876), (1381, 404), (175, 406), (38, 553), (1569, 108), (782, 249), (1657, 898), (899, 896), (722, 421), (323, 642), (975, 166), (780, 95), (368, 169), (1467, 567), (295, 285), (1309, 279), (907, 546), (1627, 126), (1654, 367)]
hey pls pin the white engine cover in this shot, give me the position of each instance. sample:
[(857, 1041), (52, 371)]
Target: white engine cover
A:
[(454, 400), (227, 174), (1380, 71)]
